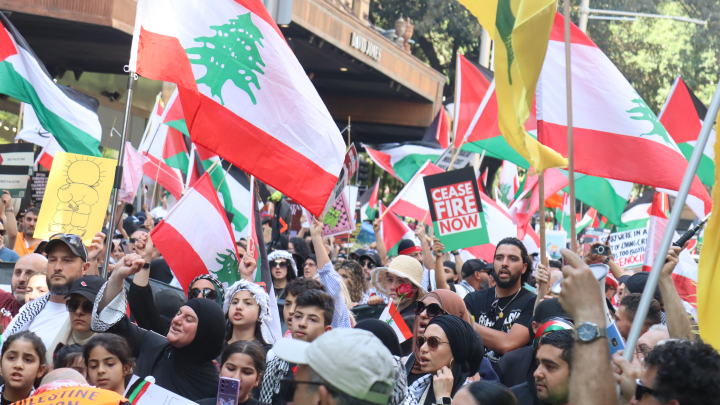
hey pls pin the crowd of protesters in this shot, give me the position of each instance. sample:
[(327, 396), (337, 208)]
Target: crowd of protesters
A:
[(482, 332)]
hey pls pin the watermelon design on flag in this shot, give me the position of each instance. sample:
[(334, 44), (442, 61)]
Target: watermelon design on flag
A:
[(337, 220)]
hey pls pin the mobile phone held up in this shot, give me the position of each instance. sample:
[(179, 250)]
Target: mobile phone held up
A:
[(228, 391), (602, 250)]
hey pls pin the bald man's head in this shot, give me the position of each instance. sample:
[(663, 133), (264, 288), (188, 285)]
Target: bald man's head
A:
[(63, 374), (25, 267)]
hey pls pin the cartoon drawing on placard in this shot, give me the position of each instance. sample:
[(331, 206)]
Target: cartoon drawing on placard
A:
[(77, 198)]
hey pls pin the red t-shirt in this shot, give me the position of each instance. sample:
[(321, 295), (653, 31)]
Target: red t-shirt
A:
[(9, 307)]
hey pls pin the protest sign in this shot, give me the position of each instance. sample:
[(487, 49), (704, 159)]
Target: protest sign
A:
[(76, 196), (463, 158), (455, 209), (349, 168), (296, 222), (38, 182), (339, 218), (15, 179), (17, 154), (628, 247), (554, 241), (143, 392)]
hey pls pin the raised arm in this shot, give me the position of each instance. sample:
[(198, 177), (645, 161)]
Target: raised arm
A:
[(428, 257), (320, 253), (97, 248), (128, 266), (7, 215), (329, 277), (542, 275), (380, 244), (438, 249), (678, 321)]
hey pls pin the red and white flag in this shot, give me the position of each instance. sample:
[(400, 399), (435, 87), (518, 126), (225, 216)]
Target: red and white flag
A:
[(45, 158), (393, 230), (396, 322), (524, 208), (685, 274), (195, 237), (244, 94), (617, 136), (133, 162), (412, 201)]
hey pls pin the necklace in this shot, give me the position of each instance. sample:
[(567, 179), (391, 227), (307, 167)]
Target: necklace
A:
[(513, 299)]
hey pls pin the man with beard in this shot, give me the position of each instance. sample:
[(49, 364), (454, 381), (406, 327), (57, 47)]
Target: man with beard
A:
[(503, 314), (10, 303), (45, 316), (25, 243)]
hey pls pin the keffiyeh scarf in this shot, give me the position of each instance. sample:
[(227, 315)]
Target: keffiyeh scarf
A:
[(417, 389), (276, 370)]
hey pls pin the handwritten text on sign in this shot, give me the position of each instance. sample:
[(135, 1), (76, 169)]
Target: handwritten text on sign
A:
[(456, 208), (628, 247)]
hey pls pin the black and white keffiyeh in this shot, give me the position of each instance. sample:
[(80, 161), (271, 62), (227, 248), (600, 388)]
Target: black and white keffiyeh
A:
[(263, 301), (27, 313), (400, 388), (417, 389), (275, 370)]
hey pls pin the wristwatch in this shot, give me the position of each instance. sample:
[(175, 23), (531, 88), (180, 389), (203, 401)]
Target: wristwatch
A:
[(607, 259), (588, 332), (445, 401)]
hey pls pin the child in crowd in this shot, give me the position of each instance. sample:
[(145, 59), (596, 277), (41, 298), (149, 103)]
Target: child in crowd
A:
[(69, 356), (36, 286), (245, 361), (247, 308), (23, 365), (293, 290), (109, 362)]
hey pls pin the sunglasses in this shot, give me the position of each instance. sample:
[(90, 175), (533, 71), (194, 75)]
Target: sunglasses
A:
[(69, 238), (73, 305), (641, 390), (433, 342), (278, 264), (288, 387), (433, 310), (208, 293), (367, 263)]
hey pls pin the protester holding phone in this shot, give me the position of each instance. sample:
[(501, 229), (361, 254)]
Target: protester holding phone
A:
[(243, 363)]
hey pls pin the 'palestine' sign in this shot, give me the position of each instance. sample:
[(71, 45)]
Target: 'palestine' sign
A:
[(455, 209)]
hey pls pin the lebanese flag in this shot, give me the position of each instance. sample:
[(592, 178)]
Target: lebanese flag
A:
[(68, 114), (499, 226), (393, 230), (244, 94), (396, 322), (412, 201), (617, 136), (682, 116), (509, 183), (45, 158), (195, 237), (685, 274), (528, 202)]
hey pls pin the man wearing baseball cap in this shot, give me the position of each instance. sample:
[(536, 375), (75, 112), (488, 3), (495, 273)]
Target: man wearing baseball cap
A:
[(476, 277), (67, 261), (365, 376)]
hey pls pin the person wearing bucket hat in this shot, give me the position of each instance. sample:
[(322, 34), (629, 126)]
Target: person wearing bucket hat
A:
[(402, 270), (365, 377)]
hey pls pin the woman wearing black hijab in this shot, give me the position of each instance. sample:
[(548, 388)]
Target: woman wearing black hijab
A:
[(182, 362), (450, 352)]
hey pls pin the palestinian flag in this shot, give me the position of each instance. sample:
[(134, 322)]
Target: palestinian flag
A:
[(233, 187), (522, 27), (175, 151), (590, 219), (682, 116), (611, 120), (68, 114), (685, 274), (477, 111), (438, 132), (499, 226), (369, 203), (392, 316), (173, 115), (637, 212), (393, 230), (412, 201), (529, 201), (241, 84), (195, 237), (608, 197), (402, 161)]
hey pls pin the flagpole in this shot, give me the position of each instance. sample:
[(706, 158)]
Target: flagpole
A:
[(677, 209), (571, 154), (119, 170), (458, 83), (542, 287), (191, 166)]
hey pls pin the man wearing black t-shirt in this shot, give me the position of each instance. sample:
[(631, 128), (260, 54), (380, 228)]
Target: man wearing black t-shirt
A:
[(503, 314)]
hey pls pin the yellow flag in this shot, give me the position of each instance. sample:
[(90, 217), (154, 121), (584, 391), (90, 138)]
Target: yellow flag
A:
[(521, 30), (76, 196), (708, 287)]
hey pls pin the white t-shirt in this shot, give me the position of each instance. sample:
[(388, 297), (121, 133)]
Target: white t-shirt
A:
[(158, 212), (49, 322)]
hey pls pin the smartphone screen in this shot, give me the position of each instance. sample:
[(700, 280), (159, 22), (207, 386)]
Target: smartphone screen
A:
[(228, 391)]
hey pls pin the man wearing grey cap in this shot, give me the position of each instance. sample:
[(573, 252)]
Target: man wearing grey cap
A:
[(366, 374)]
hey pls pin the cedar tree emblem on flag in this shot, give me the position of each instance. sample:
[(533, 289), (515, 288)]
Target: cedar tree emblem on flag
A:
[(231, 54), (230, 264)]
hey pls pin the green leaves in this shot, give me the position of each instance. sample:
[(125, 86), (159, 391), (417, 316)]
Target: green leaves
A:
[(230, 55)]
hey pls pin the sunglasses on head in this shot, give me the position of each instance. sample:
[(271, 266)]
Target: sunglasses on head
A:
[(73, 305), (641, 390), (288, 387), (208, 293), (367, 263), (69, 238), (433, 342), (278, 264), (433, 310)]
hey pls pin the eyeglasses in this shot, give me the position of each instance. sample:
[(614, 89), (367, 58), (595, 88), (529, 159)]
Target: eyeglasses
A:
[(278, 264), (288, 387), (641, 390), (367, 263), (73, 305), (208, 293), (433, 342), (433, 310)]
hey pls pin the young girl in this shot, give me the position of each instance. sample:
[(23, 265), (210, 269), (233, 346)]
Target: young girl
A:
[(244, 361), (36, 286), (23, 365), (70, 356), (247, 309), (109, 362)]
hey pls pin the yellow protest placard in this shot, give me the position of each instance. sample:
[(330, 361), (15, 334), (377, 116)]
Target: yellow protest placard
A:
[(76, 196)]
